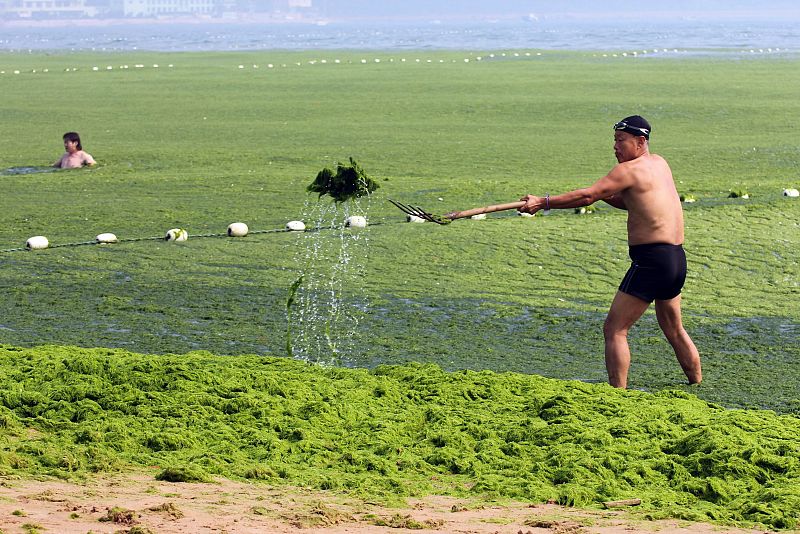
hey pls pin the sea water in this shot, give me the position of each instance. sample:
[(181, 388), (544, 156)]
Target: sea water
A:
[(329, 301), (706, 36)]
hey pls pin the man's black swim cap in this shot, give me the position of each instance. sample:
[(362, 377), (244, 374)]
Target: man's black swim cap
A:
[(634, 125)]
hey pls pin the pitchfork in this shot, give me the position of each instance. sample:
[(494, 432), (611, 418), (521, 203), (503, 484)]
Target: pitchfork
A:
[(447, 218)]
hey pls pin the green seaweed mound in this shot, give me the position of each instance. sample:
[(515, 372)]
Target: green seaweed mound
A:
[(347, 183), (739, 193), (182, 474), (395, 431)]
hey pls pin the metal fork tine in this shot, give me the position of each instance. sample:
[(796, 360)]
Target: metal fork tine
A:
[(411, 210), (438, 219), (417, 211), (408, 209), (402, 207), (424, 214)]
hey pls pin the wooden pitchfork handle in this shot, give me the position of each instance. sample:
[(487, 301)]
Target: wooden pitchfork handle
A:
[(486, 209)]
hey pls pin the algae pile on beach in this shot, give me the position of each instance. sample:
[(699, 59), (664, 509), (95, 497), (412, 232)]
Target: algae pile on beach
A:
[(395, 431)]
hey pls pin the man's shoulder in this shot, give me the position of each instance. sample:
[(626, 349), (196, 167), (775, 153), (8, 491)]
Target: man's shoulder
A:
[(624, 168), (647, 161)]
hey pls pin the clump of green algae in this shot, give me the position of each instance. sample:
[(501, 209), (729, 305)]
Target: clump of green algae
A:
[(347, 183), (396, 431), (183, 474)]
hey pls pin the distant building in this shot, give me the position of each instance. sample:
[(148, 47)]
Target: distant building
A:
[(77, 9), (266, 6), (159, 8), (47, 9)]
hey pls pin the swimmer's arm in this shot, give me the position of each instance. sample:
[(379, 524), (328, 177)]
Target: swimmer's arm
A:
[(57, 164), (88, 160)]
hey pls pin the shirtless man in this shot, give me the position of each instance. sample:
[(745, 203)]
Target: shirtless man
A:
[(75, 157), (642, 184)]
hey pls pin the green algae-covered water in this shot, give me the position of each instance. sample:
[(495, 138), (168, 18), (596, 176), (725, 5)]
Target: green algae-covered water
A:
[(449, 319), (396, 431)]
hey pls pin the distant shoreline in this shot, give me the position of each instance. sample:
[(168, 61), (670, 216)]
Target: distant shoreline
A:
[(188, 20)]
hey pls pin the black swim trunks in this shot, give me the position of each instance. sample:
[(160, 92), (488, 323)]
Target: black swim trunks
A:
[(658, 271)]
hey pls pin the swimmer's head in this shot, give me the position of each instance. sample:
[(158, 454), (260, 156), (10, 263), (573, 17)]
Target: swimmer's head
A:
[(74, 138), (634, 125)]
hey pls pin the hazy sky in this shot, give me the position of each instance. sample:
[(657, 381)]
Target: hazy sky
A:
[(546, 10), (463, 8)]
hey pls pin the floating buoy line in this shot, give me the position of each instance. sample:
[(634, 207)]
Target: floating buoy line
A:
[(237, 230), (473, 58)]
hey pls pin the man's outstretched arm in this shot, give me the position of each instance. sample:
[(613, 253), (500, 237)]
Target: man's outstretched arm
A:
[(607, 188)]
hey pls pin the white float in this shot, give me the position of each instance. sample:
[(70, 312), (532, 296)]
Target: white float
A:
[(414, 219), (106, 237), (478, 217), (295, 226), (356, 221), (237, 229), (177, 235), (524, 214), (791, 193), (37, 242)]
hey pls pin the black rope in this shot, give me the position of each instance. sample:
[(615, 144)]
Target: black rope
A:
[(162, 238)]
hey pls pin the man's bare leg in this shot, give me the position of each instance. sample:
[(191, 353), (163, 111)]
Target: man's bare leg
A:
[(625, 311), (669, 319)]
